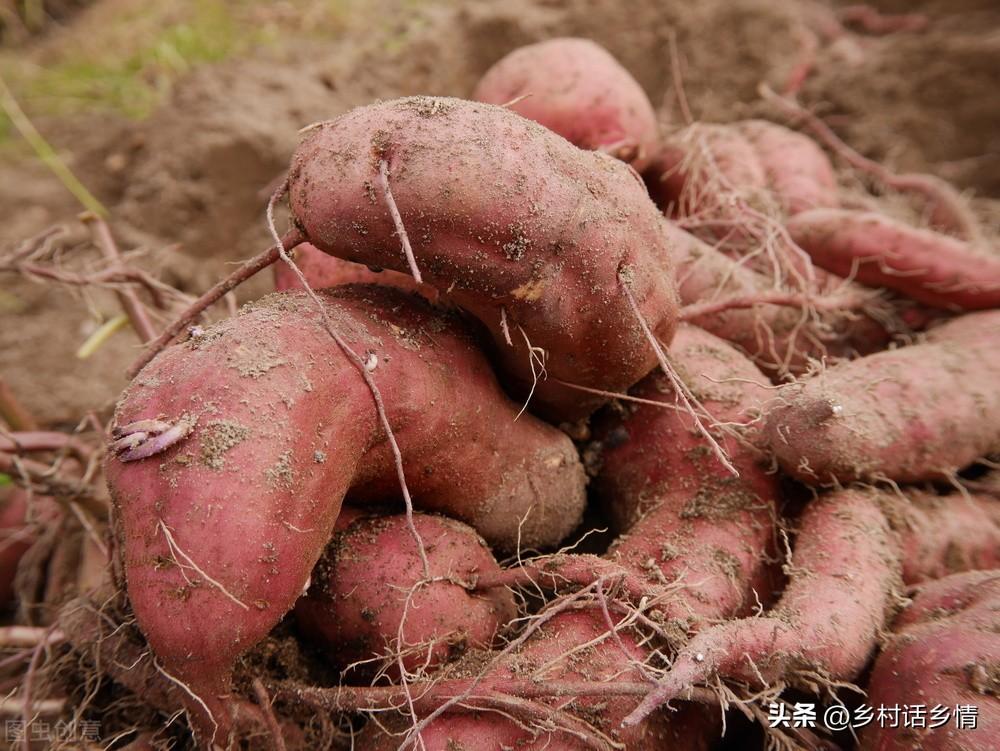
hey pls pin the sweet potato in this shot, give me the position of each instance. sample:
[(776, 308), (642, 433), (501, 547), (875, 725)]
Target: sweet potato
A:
[(700, 165), (577, 89), (911, 414), (322, 270), (236, 448), (945, 652), (780, 339), (698, 527), (688, 518), (797, 172), (575, 646), (695, 536), (531, 235), (844, 582), (371, 577), (880, 251), (940, 535)]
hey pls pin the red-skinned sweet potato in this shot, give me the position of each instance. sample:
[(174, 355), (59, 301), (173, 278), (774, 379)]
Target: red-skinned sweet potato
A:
[(702, 164), (688, 518), (915, 413), (797, 172), (531, 235), (577, 89), (879, 251), (571, 646), (697, 526), (371, 574), (945, 652), (322, 270), (941, 535), (843, 585), (255, 430), (780, 339)]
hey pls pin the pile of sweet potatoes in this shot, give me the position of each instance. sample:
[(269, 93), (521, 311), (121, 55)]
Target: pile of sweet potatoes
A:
[(564, 429)]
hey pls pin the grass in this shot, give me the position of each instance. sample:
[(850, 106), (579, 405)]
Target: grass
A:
[(127, 63)]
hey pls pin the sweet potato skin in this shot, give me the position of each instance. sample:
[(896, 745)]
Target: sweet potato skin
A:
[(361, 585), (577, 89), (322, 270), (911, 414), (699, 163), (879, 251), (520, 228), (844, 584), (776, 338), (285, 427), (945, 650), (942, 535), (796, 170), (687, 730), (686, 517)]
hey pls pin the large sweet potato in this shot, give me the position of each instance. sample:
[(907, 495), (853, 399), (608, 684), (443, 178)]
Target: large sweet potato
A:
[(909, 414), (238, 446), (531, 235), (843, 585), (882, 252)]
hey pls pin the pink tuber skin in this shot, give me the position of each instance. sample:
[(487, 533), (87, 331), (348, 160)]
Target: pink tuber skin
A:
[(559, 651), (220, 531), (695, 537), (879, 251), (844, 581), (698, 163), (540, 241), (942, 535), (696, 523), (750, 157), (780, 339), (687, 518), (322, 270), (371, 576), (945, 650), (915, 413), (577, 89), (797, 172)]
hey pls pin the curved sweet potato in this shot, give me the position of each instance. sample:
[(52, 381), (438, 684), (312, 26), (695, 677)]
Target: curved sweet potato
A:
[(843, 584), (367, 580), (699, 165), (576, 88), (910, 414), (255, 430), (945, 652), (531, 235), (688, 520), (880, 251)]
